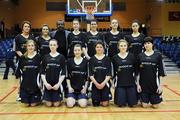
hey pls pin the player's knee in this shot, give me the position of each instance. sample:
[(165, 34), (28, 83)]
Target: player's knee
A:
[(70, 102), (155, 106), (56, 104), (144, 105), (82, 103), (33, 104), (48, 104), (26, 105), (95, 103), (105, 103)]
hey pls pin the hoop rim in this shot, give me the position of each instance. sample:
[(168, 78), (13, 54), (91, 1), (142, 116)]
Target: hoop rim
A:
[(90, 9)]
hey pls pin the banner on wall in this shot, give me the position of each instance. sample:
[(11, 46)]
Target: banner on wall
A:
[(174, 15)]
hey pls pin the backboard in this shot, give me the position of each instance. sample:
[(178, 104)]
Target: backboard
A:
[(77, 7)]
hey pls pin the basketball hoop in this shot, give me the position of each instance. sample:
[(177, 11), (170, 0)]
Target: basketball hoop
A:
[(89, 10)]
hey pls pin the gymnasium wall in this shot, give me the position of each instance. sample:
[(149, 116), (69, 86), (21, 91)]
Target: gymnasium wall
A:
[(170, 27), (7, 14), (152, 13), (154, 18), (38, 14), (35, 11)]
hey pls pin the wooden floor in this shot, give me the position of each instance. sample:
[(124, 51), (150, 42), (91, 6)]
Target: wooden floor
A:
[(169, 109)]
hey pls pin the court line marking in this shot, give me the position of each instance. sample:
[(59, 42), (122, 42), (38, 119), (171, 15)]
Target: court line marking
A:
[(9, 93), (101, 112), (172, 90)]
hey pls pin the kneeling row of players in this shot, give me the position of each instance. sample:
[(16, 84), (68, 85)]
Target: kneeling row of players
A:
[(77, 70)]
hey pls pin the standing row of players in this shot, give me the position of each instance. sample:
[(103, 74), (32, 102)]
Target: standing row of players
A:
[(126, 67), (67, 40)]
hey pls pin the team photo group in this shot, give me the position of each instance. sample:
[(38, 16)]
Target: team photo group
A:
[(88, 68)]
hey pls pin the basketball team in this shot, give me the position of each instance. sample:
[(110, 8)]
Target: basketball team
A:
[(80, 68)]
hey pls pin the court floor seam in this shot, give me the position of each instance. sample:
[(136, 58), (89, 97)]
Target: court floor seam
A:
[(100, 112), (7, 94), (172, 90)]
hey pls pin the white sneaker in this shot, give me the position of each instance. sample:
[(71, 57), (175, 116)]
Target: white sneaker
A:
[(18, 98)]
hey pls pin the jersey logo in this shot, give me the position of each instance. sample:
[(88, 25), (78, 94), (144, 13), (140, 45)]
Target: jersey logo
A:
[(124, 60), (99, 61)]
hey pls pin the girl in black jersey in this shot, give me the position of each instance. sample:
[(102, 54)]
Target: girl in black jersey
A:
[(76, 37), (124, 71), (20, 46), (112, 37), (135, 40), (21, 39), (91, 38), (43, 41), (100, 74), (29, 66), (151, 67), (53, 74), (77, 79)]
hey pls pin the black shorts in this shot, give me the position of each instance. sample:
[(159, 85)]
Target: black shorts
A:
[(29, 98), (151, 98), (52, 95), (125, 95), (77, 95), (101, 95)]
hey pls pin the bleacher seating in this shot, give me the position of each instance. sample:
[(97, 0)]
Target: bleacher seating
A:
[(5, 44), (169, 46)]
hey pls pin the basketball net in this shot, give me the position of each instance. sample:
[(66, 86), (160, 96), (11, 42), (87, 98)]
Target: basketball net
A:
[(90, 12)]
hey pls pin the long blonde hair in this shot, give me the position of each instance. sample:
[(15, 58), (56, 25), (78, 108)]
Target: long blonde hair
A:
[(28, 42)]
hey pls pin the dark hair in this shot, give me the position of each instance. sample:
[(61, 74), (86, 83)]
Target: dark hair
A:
[(148, 39), (136, 21), (45, 25), (78, 45), (25, 22), (99, 42), (62, 21)]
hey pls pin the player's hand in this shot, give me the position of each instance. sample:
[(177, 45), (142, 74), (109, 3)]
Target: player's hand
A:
[(56, 87), (48, 86), (70, 90), (83, 91), (102, 85), (139, 88), (98, 86), (159, 90)]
